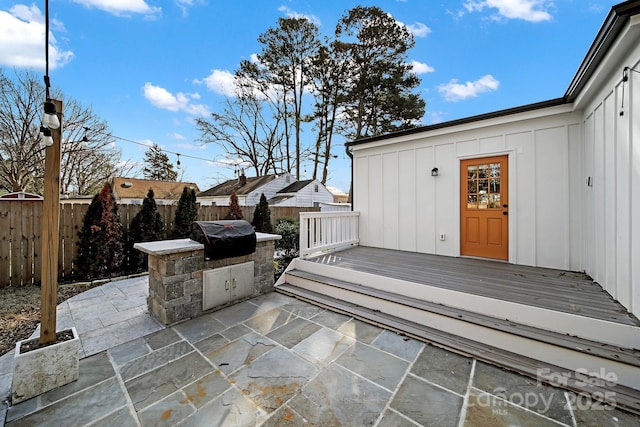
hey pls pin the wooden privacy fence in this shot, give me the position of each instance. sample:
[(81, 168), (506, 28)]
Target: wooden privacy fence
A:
[(21, 229)]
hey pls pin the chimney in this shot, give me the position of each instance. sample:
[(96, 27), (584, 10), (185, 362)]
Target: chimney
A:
[(242, 179)]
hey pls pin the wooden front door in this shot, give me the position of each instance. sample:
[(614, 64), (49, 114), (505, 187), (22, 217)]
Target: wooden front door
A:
[(484, 207)]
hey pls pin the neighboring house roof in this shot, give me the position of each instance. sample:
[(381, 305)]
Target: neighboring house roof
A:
[(241, 186), (295, 187), (616, 20), (133, 188)]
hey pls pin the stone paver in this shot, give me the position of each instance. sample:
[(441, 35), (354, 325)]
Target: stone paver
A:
[(276, 361), (447, 369)]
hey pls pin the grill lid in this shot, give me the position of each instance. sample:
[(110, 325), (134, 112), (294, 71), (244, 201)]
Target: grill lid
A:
[(224, 239)]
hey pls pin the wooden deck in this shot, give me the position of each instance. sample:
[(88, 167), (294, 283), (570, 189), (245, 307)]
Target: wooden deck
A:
[(557, 290)]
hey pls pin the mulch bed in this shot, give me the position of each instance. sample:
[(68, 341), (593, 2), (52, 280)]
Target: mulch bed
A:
[(20, 310)]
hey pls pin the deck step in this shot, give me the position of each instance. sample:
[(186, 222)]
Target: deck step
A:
[(606, 351), (503, 347)]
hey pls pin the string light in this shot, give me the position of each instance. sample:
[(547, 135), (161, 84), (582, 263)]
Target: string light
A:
[(147, 146)]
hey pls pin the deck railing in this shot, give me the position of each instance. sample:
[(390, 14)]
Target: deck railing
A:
[(324, 231)]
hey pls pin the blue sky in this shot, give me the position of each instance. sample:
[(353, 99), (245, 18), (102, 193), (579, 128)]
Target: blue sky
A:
[(150, 68)]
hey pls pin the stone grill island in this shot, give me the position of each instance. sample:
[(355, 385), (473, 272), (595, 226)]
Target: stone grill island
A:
[(184, 283)]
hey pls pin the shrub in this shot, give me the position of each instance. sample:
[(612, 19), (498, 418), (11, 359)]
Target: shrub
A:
[(234, 208), (146, 226), (186, 213), (289, 245), (100, 252), (262, 216)]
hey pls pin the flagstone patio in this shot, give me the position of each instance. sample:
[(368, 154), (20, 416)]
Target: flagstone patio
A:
[(277, 361)]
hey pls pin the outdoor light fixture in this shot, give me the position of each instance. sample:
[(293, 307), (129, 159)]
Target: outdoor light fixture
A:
[(434, 172), (50, 119), (178, 163), (45, 134)]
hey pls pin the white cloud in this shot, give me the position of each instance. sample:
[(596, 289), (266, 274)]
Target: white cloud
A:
[(191, 146), (418, 29), (292, 14), (454, 91), (529, 10), (178, 136), (220, 82), (22, 39), (185, 5), (421, 68), (121, 7), (162, 98)]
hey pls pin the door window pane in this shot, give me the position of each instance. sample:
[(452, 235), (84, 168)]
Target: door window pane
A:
[(472, 172), (495, 170), (494, 201), (494, 185), (483, 186)]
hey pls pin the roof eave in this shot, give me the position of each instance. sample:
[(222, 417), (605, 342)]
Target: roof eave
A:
[(615, 22), (492, 115)]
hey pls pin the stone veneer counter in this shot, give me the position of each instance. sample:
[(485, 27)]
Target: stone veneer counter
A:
[(176, 275)]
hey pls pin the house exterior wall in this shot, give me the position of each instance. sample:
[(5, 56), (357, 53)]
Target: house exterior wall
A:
[(270, 189), (220, 200), (403, 207), (308, 197), (611, 159)]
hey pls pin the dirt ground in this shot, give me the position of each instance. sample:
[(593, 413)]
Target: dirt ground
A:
[(20, 311)]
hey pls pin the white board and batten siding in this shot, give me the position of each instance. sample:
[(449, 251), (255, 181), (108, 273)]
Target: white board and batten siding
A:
[(611, 159), (403, 207)]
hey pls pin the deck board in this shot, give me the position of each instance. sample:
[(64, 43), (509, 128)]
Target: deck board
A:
[(569, 292)]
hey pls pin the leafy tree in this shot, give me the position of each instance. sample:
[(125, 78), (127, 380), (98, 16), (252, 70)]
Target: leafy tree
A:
[(157, 165), (262, 216), (83, 169), (146, 226), (100, 252), (378, 94), (234, 208), (186, 213)]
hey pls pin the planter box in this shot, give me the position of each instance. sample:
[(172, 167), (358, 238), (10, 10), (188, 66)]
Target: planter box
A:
[(44, 369)]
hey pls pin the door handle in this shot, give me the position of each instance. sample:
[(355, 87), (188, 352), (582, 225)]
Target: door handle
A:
[(505, 213), (226, 285), (505, 206)]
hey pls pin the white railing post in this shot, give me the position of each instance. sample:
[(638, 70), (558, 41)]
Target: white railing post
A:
[(325, 231)]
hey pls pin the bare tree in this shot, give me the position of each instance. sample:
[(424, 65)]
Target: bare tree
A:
[(84, 168), (21, 154), (247, 128)]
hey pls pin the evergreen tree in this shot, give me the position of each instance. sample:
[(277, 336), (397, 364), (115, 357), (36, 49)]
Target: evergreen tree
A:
[(186, 213), (100, 252), (157, 165), (146, 226), (377, 95), (262, 216), (234, 208)]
